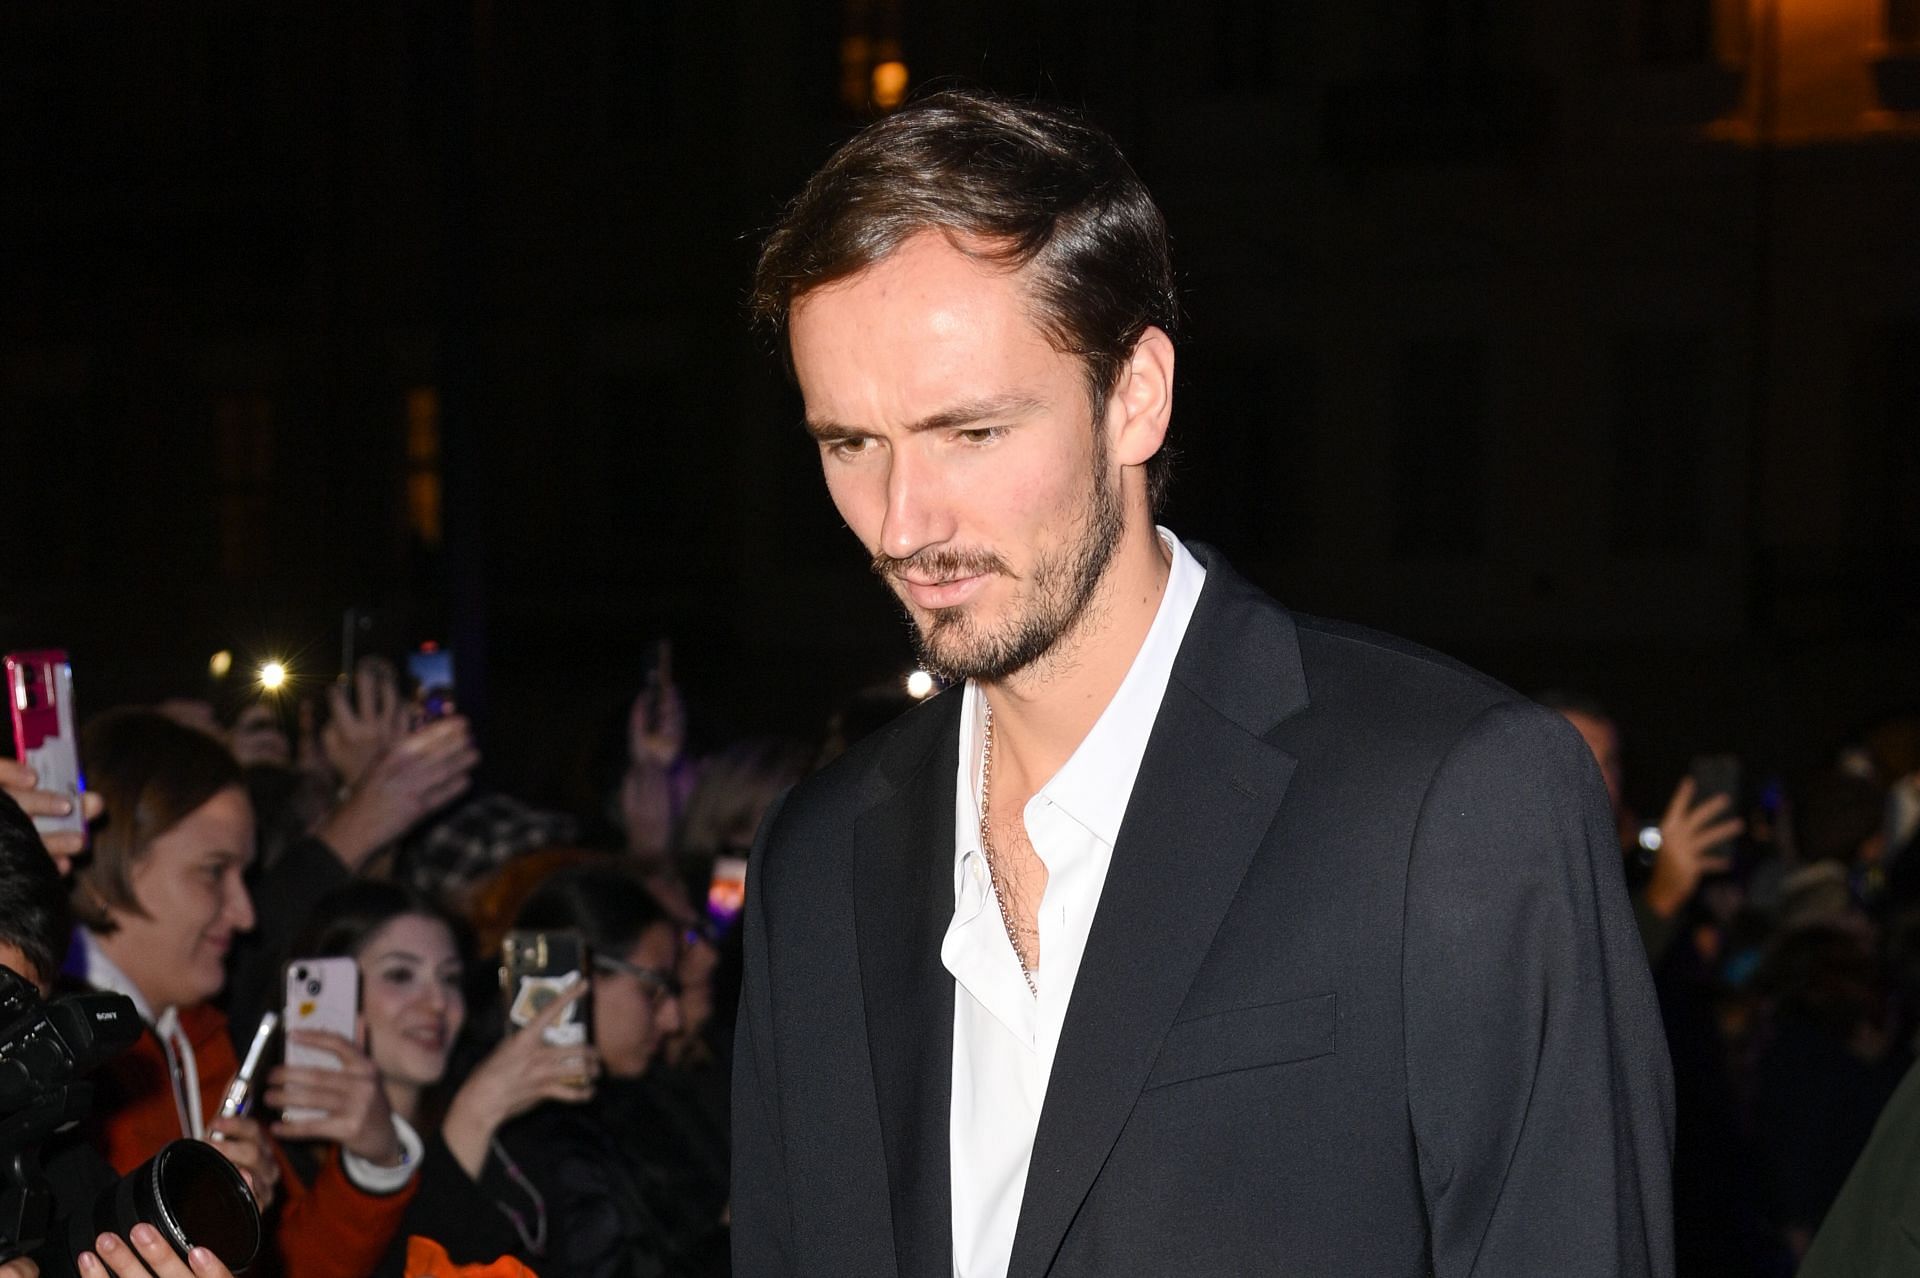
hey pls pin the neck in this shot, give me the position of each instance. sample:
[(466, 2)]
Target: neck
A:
[(1041, 714), (128, 966), (403, 1098)]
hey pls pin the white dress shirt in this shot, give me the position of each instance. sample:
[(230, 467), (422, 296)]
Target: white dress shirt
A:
[(1004, 1037)]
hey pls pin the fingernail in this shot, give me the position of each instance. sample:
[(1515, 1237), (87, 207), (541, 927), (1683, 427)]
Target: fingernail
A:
[(90, 1263), (200, 1258), (145, 1235), (106, 1244)]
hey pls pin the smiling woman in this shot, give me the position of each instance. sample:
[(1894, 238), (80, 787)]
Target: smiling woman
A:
[(161, 900), (474, 1201)]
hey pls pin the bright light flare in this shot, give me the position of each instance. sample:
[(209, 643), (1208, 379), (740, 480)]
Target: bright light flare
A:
[(889, 84), (273, 676), (920, 685), (220, 664)]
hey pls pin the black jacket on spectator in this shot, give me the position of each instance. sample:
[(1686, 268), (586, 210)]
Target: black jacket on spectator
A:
[(614, 1205)]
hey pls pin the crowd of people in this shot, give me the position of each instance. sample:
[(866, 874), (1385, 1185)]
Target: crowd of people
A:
[(439, 1138), (1782, 924)]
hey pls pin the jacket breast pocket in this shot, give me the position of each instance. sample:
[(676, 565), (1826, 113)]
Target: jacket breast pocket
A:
[(1246, 1038)]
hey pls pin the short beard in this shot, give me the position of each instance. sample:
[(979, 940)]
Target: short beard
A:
[(1060, 599)]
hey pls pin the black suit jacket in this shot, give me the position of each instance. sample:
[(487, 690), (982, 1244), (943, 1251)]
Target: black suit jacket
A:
[(1363, 994)]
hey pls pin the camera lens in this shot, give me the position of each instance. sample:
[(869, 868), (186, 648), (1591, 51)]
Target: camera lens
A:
[(313, 988), (190, 1193), (299, 973)]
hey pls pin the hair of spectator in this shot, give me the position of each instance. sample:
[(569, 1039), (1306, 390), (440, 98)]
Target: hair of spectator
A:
[(1026, 187), (735, 789), (150, 773), (1568, 701), (609, 907), (34, 915), (344, 919)]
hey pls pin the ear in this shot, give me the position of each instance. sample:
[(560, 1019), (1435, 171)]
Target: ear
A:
[(1142, 404)]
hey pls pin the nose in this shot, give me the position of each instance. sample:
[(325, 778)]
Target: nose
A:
[(666, 1017), (239, 904), (918, 513)]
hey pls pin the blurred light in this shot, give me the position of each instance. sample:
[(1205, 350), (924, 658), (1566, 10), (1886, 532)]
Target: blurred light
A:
[(920, 685), (220, 665), (1650, 838), (273, 676), (889, 85)]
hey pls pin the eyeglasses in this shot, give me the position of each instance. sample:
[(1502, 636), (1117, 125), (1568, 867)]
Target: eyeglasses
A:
[(653, 978)]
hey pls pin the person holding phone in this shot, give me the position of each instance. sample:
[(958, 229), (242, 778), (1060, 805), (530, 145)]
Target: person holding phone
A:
[(161, 901), (474, 1199), (615, 1206), (34, 926)]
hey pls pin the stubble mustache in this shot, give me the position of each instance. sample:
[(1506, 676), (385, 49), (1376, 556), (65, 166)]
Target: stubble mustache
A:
[(939, 563)]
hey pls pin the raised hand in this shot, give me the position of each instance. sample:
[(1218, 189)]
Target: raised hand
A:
[(1690, 833), (364, 721), (521, 1072), (354, 1110), (415, 776), (22, 784)]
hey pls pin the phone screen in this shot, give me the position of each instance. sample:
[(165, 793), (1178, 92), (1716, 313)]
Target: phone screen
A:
[(430, 668)]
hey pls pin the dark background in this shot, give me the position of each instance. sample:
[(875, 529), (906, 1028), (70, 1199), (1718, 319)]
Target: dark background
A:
[(1580, 339)]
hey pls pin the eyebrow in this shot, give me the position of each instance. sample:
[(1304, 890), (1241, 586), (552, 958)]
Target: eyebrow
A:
[(964, 413)]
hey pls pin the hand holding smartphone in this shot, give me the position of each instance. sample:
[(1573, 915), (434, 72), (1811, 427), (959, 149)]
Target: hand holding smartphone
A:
[(322, 994), (40, 692), (537, 968), (239, 1096)]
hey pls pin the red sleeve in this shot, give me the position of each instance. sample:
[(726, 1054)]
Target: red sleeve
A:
[(332, 1228)]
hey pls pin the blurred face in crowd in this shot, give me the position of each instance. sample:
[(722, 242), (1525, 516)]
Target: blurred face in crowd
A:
[(1604, 740), (958, 446), (192, 901), (633, 1011), (410, 973)]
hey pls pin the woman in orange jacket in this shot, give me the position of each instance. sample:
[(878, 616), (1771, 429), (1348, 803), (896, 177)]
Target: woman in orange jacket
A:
[(161, 900)]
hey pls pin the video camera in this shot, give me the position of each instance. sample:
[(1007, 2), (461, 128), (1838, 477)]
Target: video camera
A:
[(188, 1191)]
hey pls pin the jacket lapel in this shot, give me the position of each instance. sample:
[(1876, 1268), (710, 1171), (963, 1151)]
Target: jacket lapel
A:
[(903, 900), (1207, 792)]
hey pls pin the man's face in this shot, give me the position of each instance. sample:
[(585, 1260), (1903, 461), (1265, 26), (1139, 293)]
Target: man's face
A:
[(959, 446)]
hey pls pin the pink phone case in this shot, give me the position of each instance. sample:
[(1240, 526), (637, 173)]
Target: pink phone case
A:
[(322, 994), (40, 690)]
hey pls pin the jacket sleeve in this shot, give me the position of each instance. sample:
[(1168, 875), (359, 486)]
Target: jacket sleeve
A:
[(761, 1207), (333, 1228), (1540, 1092)]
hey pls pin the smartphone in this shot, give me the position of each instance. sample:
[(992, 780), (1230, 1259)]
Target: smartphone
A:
[(538, 967), (40, 690), (239, 1097), (727, 890), (430, 668), (1718, 774), (322, 994)]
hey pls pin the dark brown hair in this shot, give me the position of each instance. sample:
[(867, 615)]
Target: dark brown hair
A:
[(151, 773), (1041, 191)]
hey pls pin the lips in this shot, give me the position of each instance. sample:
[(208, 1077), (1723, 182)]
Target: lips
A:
[(943, 593), (431, 1037)]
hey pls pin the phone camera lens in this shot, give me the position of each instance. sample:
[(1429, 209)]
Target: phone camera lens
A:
[(313, 988)]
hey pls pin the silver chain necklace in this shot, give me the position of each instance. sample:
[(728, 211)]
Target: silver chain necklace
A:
[(993, 869)]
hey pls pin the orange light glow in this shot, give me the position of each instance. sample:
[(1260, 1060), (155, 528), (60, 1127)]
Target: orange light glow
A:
[(889, 85)]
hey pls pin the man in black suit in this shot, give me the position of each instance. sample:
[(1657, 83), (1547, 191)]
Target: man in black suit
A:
[(1181, 935)]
